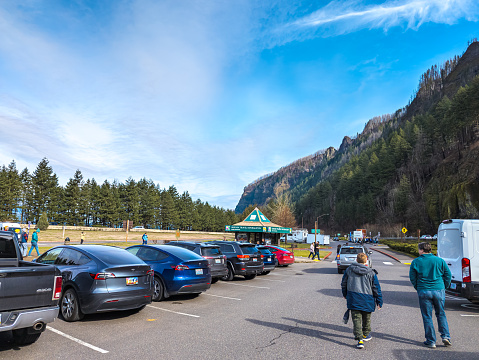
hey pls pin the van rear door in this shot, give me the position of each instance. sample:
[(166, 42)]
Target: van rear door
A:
[(450, 248)]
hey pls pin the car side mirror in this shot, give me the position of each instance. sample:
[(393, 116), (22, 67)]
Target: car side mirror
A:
[(370, 252)]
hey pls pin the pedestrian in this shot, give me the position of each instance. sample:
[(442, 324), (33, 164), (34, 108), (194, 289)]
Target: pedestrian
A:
[(430, 276), (144, 238), (82, 237), (34, 243), (338, 248), (316, 250), (311, 251), (23, 242), (361, 289)]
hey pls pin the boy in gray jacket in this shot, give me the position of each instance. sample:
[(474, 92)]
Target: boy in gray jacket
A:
[(361, 288)]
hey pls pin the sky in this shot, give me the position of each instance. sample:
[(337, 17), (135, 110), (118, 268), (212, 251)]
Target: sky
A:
[(208, 95)]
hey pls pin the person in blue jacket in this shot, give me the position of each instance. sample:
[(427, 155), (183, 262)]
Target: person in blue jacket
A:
[(145, 239), (361, 289), (34, 243)]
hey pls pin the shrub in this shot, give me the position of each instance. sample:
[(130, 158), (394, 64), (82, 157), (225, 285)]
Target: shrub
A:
[(43, 222)]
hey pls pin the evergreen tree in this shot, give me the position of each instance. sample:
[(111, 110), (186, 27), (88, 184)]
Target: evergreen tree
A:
[(45, 190)]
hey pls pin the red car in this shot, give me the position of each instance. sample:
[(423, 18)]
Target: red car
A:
[(284, 257)]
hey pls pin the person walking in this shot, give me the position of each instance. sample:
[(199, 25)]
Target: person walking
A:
[(82, 237), (361, 289), (430, 276), (338, 248), (311, 251), (316, 250), (23, 242), (145, 239), (34, 243)]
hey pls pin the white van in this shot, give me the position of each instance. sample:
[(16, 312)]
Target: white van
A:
[(458, 245)]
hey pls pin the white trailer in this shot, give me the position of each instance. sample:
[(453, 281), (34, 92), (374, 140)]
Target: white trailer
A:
[(297, 236), (322, 239)]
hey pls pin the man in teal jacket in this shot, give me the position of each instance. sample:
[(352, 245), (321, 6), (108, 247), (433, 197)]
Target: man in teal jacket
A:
[(430, 276)]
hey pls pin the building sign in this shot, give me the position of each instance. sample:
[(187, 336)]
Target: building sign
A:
[(260, 229)]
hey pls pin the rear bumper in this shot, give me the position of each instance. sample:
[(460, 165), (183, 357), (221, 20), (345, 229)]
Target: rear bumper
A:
[(192, 289), (249, 270), (269, 267), (219, 273), (120, 303), (469, 291), (26, 318), (286, 261)]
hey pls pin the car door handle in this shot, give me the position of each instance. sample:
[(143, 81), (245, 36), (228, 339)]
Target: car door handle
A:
[(449, 264)]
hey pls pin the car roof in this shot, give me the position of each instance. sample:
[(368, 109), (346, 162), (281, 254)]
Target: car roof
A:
[(202, 244)]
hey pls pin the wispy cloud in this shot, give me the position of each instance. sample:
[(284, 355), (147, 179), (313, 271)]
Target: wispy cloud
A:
[(339, 17)]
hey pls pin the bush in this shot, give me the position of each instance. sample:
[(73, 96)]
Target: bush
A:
[(43, 222), (409, 247)]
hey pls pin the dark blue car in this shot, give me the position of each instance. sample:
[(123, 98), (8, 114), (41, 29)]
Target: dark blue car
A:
[(99, 278), (176, 270), (269, 259)]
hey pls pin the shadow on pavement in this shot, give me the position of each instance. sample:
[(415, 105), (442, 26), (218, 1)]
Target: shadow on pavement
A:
[(322, 270), (400, 298), (396, 282)]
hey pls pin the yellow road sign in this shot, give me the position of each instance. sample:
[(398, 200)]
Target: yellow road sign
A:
[(404, 230)]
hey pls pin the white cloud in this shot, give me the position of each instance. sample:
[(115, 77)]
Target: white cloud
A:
[(340, 17)]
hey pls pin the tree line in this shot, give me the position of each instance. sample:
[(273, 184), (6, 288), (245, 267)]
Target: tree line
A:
[(25, 196)]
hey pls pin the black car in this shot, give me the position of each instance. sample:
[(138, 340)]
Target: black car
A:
[(99, 278), (210, 252), (269, 259), (242, 259)]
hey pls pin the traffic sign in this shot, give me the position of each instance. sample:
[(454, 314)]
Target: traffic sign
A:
[(404, 230)]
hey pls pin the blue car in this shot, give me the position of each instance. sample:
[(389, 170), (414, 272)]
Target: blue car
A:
[(269, 259), (176, 270), (99, 278)]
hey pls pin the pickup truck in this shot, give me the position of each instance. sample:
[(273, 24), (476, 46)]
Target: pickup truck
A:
[(29, 292)]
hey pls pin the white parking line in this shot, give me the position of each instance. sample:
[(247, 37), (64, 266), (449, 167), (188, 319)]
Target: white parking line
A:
[(175, 312), (251, 286), (224, 297), (271, 280), (468, 315), (81, 342), (387, 263)]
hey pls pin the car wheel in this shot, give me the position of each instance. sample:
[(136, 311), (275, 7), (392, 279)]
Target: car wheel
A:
[(250, 277), (276, 263), (230, 275), (214, 280), (70, 307), (22, 337), (340, 271), (158, 290), (265, 272)]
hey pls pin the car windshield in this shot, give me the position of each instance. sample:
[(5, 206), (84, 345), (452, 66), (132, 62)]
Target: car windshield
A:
[(249, 249), (210, 251), (353, 250)]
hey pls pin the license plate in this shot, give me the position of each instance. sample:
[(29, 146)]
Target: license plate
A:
[(269, 259), (199, 271), (132, 281), (254, 259), (218, 261), (453, 286)]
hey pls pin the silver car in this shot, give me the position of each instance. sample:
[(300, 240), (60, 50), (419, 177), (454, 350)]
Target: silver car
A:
[(347, 255)]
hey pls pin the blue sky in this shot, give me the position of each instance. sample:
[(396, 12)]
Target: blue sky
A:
[(208, 95)]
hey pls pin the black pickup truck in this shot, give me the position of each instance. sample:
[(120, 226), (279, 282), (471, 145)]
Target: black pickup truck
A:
[(29, 292)]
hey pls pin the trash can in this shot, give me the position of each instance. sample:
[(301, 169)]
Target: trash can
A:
[(67, 241)]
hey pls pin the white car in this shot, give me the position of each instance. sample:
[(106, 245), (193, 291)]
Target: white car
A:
[(139, 227), (426, 237)]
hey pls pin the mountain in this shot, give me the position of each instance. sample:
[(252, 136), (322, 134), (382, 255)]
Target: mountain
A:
[(415, 166)]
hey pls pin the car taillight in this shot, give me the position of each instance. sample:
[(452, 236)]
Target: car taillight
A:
[(180, 267), (466, 270), (262, 256), (224, 257), (245, 257), (57, 288), (150, 272), (102, 276)]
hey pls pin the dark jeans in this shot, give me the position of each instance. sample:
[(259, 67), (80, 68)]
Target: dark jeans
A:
[(310, 254), (429, 300), (316, 253), (361, 323)]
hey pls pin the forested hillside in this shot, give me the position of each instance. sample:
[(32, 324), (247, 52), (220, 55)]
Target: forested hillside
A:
[(26, 196), (412, 168)]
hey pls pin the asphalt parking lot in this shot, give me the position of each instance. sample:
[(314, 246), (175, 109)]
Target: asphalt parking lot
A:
[(294, 312)]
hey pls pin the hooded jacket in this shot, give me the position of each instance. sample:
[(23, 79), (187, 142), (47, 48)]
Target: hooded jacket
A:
[(361, 288)]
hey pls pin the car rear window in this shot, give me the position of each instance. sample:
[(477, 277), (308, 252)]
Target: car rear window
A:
[(351, 250), (7, 249), (249, 249), (210, 251), (227, 248), (181, 253), (264, 251), (116, 256)]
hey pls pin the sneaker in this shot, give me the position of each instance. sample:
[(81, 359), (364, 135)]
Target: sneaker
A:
[(360, 344), (429, 345), (367, 338), (447, 342)]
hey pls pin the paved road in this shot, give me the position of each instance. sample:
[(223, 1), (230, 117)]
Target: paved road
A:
[(292, 313)]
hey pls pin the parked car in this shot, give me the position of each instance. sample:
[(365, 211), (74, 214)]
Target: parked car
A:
[(29, 292), (138, 227), (269, 259), (283, 257), (210, 252), (242, 259), (98, 278), (426, 237), (176, 270), (348, 254)]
